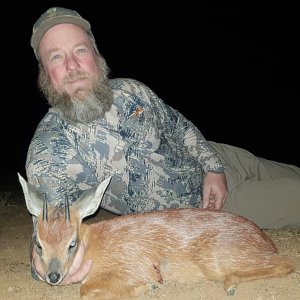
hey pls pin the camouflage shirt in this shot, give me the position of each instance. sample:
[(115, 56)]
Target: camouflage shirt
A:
[(156, 157)]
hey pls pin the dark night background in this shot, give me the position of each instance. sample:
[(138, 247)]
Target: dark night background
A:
[(232, 67)]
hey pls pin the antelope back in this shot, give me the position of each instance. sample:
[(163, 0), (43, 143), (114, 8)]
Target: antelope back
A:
[(57, 228)]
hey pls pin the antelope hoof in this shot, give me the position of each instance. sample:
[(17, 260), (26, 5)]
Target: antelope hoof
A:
[(153, 286), (230, 291)]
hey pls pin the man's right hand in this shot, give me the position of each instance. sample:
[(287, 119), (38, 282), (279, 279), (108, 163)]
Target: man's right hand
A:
[(77, 272)]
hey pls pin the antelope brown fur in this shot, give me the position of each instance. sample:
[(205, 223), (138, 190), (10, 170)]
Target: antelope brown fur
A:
[(133, 253)]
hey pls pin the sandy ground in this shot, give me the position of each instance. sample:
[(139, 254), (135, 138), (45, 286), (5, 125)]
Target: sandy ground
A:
[(16, 281)]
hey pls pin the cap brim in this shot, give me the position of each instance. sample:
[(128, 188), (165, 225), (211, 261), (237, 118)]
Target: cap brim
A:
[(43, 28)]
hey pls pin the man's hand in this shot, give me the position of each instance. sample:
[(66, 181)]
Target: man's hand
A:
[(215, 191), (77, 272)]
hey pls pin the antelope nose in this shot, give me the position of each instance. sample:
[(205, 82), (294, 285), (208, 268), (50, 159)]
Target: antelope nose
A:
[(54, 277)]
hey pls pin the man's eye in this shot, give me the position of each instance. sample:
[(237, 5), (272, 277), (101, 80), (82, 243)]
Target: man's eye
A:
[(81, 50), (55, 57)]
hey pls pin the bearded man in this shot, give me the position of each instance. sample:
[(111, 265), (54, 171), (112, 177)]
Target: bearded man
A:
[(98, 128)]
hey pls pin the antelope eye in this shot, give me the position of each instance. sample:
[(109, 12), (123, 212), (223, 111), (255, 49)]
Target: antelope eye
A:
[(73, 244), (38, 248)]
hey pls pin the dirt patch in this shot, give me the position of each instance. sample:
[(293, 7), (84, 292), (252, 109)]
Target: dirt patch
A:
[(16, 281)]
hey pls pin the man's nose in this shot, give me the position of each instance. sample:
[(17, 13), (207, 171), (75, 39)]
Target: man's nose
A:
[(72, 64)]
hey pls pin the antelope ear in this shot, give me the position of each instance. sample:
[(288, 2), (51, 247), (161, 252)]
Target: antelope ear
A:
[(34, 199), (90, 200)]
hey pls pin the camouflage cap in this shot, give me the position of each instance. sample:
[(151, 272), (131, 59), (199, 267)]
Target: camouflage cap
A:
[(54, 16)]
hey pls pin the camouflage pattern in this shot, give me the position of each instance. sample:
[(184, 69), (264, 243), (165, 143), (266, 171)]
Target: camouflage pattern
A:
[(156, 157)]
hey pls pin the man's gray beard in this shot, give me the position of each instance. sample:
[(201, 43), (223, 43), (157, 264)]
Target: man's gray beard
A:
[(75, 109)]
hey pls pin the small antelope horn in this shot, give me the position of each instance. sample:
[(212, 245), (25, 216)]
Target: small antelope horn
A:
[(45, 217), (67, 210)]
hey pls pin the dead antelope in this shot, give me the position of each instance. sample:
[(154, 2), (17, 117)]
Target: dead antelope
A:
[(132, 253)]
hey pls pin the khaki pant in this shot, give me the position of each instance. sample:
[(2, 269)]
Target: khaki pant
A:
[(264, 191)]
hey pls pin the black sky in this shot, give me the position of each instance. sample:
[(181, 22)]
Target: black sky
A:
[(231, 67)]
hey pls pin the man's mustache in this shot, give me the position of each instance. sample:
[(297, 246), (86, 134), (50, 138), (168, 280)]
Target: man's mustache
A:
[(75, 76)]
